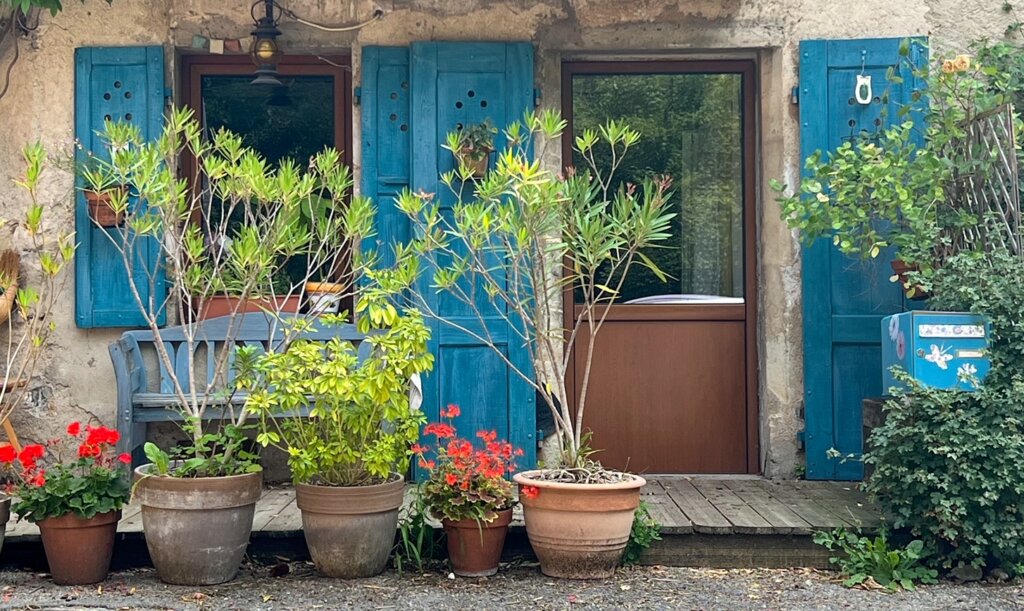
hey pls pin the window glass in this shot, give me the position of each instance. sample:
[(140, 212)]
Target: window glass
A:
[(295, 122), (691, 129)]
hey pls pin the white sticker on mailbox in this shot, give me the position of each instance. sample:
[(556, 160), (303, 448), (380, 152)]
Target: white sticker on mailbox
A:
[(951, 331)]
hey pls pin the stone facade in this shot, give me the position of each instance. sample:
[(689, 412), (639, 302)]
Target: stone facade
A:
[(78, 381)]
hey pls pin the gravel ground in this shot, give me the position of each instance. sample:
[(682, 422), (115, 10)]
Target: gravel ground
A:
[(520, 587)]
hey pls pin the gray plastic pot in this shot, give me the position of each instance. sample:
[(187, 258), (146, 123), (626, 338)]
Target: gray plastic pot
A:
[(350, 531), (5, 515), (197, 529)]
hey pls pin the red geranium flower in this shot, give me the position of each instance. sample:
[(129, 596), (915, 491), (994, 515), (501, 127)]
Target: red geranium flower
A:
[(8, 454), (453, 411), (74, 429), (30, 454), (87, 450), (530, 492), (440, 430), (38, 480), (450, 478), (126, 458)]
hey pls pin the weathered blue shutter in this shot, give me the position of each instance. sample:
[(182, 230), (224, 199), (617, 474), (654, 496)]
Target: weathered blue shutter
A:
[(411, 98), (117, 84), (386, 133), (844, 298)]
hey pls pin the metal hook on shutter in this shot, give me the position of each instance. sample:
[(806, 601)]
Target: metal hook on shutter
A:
[(862, 93)]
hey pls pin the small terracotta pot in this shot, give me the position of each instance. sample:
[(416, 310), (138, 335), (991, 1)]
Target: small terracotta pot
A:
[(100, 210), (477, 165), (474, 548), (579, 531), (350, 530), (78, 550), (224, 305)]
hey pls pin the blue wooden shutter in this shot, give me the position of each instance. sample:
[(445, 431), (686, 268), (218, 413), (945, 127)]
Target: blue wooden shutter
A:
[(844, 299), (462, 84), (117, 84), (386, 133)]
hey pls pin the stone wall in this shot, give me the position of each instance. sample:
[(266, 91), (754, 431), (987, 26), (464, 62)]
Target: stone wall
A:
[(78, 382)]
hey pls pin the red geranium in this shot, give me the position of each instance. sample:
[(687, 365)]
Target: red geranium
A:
[(467, 481), (68, 475)]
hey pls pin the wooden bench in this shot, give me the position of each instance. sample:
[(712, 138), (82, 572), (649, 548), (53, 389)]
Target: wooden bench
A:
[(143, 398)]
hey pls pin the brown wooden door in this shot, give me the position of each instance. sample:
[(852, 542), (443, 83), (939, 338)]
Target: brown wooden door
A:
[(673, 386)]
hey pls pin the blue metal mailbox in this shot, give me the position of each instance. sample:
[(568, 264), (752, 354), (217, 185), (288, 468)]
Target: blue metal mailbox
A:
[(938, 349)]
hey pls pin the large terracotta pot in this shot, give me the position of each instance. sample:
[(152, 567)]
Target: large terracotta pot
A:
[(350, 530), (78, 550), (579, 531), (197, 529), (223, 305), (5, 515), (474, 548)]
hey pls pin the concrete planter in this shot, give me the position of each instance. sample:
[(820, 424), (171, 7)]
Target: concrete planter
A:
[(78, 550), (474, 548), (579, 531), (197, 529), (350, 530)]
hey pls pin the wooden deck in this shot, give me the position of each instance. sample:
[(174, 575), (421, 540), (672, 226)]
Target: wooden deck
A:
[(706, 521)]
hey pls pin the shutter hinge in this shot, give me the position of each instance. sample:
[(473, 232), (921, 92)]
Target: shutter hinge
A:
[(357, 94), (537, 96), (794, 96), (800, 440)]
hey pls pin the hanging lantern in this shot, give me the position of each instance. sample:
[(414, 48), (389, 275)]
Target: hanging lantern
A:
[(266, 52)]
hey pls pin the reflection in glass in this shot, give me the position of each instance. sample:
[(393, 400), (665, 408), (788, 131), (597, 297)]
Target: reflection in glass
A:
[(295, 122), (691, 130)]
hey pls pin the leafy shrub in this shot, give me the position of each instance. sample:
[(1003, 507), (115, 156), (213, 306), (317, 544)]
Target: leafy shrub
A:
[(988, 284), (645, 531), (947, 468), (861, 558)]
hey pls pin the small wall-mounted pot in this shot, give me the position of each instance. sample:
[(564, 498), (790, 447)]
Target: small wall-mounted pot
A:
[(324, 297), (101, 210)]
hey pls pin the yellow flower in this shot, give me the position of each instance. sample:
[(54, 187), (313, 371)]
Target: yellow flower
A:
[(961, 63), (948, 67)]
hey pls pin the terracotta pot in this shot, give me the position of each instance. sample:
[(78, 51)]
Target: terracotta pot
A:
[(197, 529), (474, 548), (478, 165), (902, 269), (78, 550), (100, 210), (350, 530), (5, 515), (579, 531), (224, 305)]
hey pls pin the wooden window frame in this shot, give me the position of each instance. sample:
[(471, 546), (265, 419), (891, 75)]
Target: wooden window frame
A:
[(748, 310)]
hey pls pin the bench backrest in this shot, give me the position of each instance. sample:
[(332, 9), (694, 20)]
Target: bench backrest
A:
[(210, 337)]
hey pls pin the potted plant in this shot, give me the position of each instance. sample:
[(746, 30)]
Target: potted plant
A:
[(105, 195), (578, 514), (472, 147), (27, 306), (198, 499), (227, 297), (348, 458), (467, 491), (73, 488)]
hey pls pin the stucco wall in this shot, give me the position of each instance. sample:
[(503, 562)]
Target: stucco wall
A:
[(78, 381)]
